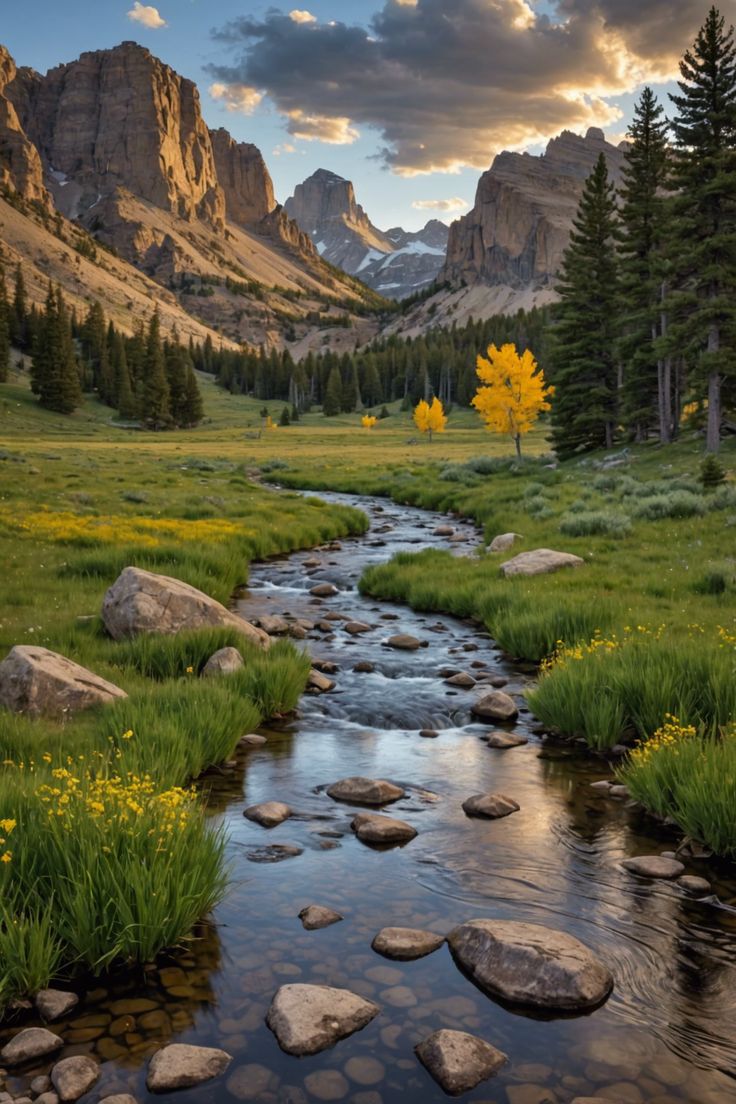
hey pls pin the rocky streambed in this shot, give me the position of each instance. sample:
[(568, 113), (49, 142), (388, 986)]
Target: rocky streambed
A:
[(548, 850)]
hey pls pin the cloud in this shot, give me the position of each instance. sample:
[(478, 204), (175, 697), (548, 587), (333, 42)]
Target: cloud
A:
[(298, 16), (447, 83), (285, 148), (454, 204), (146, 15), (236, 97)]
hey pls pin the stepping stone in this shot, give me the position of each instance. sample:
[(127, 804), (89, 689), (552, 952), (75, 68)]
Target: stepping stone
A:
[(504, 740), (319, 682), (527, 964), (458, 1061), (462, 679), (355, 628), (490, 806), (273, 853), (443, 531), (324, 590), (33, 1042), (307, 1019), (405, 944), (375, 829), (495, 707), (314, 917), (405, 642), (698, 887), (73, 1077), (364, 667), (654, 866), (53, 1004), (365, 791), (180, 1066), (268, 813), (429, 733)]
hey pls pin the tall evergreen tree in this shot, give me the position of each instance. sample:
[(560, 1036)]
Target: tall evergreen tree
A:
[(704, 226), (332, 401), (583, 361), (176, 377), (155, 391), (19, 313), (193, 409), (647, 385), (54, 363)]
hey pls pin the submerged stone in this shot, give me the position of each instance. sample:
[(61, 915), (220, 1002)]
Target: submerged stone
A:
[(458, 1061), (307, 1019)]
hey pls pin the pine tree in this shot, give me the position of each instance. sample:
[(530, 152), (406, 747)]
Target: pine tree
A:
[(54, 363), (704, 226), (176, 377), (155, 397), (333, 393), (125, 400), (646, 396), (4, 329), (582, 362), (19, 313), (193, 410)]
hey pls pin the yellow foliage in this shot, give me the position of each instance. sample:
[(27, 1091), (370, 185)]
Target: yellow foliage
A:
[(67, 527), (270, 423), (515, 392), (430, 418), (368, 421)]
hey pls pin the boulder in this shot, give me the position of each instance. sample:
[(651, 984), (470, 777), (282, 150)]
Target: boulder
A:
[(324, 590), (48, 1097), (73, 1077), (458, 1061), (372, 828), (496, 706), (443, 531), (37, 681), (365, 791), (226, 661), (314, 917), (32, 1042), (405, 944), (491, 806), (268, 813), (355, 628), (530, 965), (461, 679), (143, 602), (307, 1019), (503, 542), (319, 683), (274, 626), (503, 740), (654, 866), (404, 642), (364, 667), (698, 887), (541, 561), (179, 1066), (52, 1004)]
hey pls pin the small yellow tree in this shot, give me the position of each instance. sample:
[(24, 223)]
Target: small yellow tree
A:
[(269, 423), (515, 392), (430, 418), (368, 421)]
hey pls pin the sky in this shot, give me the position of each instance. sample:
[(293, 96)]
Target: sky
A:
[(410, 99)]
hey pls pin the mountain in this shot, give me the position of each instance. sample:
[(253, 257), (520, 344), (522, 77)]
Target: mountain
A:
[(395, 263), (112, 151), (505, 254)]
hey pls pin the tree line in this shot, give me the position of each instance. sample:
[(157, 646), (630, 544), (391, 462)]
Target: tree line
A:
[(146, 378)]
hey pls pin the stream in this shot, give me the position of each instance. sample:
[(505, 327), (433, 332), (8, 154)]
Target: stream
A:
[(667, 1033)]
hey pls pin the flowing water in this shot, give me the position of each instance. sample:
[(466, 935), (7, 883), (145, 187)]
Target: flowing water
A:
[(668, 1032)]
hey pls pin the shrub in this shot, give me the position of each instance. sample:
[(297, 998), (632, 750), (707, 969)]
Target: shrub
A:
[(712, 472), (595, 523), (675, 504)]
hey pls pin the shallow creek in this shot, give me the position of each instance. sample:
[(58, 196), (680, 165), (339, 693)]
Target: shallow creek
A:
[(666, 1034)]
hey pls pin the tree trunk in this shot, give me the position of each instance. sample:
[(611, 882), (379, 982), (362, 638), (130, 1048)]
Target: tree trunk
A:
[(517, 441), (664, 378), (713, 438)]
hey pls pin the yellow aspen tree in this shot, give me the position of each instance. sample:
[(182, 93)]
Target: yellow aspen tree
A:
[(270, 423), (430, 418), (368, 421), (514, 392)]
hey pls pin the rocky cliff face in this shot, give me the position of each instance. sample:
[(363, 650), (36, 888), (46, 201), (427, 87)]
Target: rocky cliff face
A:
[(394, 263), (20, 164), (519, 227), (243, 177)]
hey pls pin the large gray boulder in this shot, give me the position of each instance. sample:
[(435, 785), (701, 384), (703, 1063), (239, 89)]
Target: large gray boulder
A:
[(530, 965), (503, 542), (142, 602), (458, 1061), (540, 561), (180, 1066), (36, 681), (496, 706), (307, 1019)]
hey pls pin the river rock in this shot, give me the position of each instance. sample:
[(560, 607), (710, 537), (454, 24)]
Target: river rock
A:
[(530, 965), (179, 1066), (32, 1042), (273, 853), (319, 682), (53, 1003), (462, 679), (142, 602), (252, 739), (654, 866), (404, 642), (698, 887), (307, 1019), (327, 1085), (503, 740), (496, 706), (541, 561), (458, 1061), (40, 1084), (364, 667), (314, 917), (119, 1098), (355, 628), (274, 626), (268, 813), (491, 806), (428, 733), (405, 944), (376, 829), (48, 1097), (503, 542), (443, 531), (324, 590), (365, 791), (226, 661), (73, 1077), (39, 682)]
